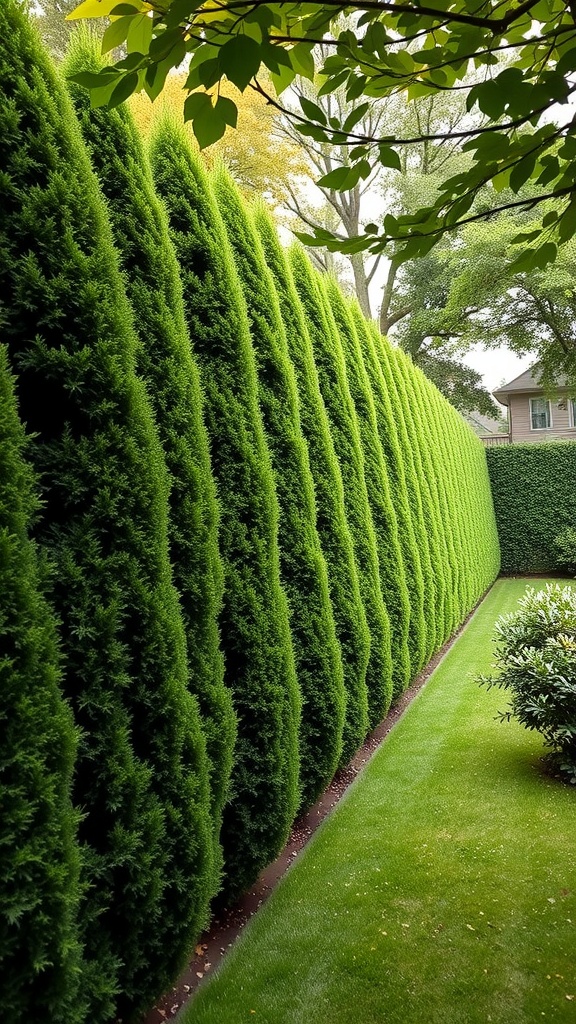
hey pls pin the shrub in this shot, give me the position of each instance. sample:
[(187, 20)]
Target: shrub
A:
[(254, 624), (333, 528), (165, 360), (302, 565), (40, 951), (140, 778), (536, 656), (565, 547)]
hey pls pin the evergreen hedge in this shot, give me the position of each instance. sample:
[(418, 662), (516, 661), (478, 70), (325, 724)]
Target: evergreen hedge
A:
[(333, 529), (332, 375), (164, 359), (39, 946), (390, 557), (533, 486), (259, 662), (397, 469), (140, 778), (302, 565)]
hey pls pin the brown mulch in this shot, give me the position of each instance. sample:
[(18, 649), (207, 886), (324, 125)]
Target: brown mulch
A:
[(227, 925)]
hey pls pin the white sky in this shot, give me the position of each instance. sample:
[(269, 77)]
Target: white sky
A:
[(498, 366)]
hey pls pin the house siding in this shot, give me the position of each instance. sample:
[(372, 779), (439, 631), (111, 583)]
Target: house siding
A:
[(520, 425)]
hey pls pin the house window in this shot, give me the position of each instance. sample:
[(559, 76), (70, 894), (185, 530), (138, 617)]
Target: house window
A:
[(540, 418), (572, 404)]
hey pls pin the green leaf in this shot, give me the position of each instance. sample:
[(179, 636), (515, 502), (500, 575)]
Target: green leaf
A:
[(123, 89), (240, 60), (302, 60), (521, 172), (311, 110), (388, 157), (567, 222), (355, 116), (94, 79), (139, 34), (196, 105), (227, 111), (282, 79), (115, 34), (335, 179)]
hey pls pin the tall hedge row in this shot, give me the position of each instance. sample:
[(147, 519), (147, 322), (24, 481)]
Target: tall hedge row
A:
[(140, 779), (224, 497), (533, 487), (164, 359), (302, 564), (254, 622)]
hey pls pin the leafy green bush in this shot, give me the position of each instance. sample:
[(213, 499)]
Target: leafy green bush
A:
[(565, 547), (536, 656)]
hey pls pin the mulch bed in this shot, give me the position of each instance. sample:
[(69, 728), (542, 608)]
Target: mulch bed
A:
[(227, 925)]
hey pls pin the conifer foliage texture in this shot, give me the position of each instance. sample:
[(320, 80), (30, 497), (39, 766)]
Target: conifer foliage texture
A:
[(259, 661), (302, 564), (164, 359), (40, 952), (140, 778)]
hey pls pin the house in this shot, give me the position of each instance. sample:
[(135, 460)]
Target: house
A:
[(534, 415)]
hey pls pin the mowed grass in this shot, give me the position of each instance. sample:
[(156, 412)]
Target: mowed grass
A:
[(442, 889)]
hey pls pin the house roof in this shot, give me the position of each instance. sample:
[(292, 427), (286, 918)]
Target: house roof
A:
[(526, 381)]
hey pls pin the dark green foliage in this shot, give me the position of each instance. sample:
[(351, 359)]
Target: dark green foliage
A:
[(259, 663), (302, 565), (533, 487), (39, 948), (565, 548), (390, 557), (396, 470), (141, 777), (164, 360), (333, 529), (536, 659), (331, 366)]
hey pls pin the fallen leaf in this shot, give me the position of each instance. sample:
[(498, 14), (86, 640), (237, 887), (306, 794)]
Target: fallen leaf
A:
[(199, 974), (570, 998), (200, 949), (470, 927)]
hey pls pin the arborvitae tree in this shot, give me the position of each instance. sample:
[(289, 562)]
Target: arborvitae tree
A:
[(331, 366), (40, 952), (302, 565), (388, 432), (164, 359), (433, 492), (259, 662), (141, 778), (419, 499), (335, 537), (390, 559)]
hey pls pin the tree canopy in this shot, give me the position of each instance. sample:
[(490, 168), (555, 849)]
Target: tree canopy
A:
[(511, 60)]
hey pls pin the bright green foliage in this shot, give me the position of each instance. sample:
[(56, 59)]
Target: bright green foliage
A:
[(335, 536), (259, 662), (164, 360), (40, 860), (533, 487), (536, 659), (396, 471), (332, 374), (426, 514), (302, 565), (140, 779), (390, 557)]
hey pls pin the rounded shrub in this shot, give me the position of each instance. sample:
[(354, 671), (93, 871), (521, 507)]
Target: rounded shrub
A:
[(254, 625), (140, 780), (302, 565), (536, 659)]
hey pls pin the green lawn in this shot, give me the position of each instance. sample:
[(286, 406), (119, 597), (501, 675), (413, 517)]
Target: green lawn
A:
[(442, 890)]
